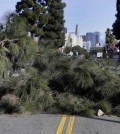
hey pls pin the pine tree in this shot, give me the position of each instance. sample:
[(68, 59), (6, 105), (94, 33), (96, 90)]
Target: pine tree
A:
[(110, 38), (35, 13), (110, 47), (116, 25), (46, 19), (54, 29), (16, 26)]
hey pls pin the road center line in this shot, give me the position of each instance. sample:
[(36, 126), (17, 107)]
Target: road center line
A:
[(62, 122), (70, 125)]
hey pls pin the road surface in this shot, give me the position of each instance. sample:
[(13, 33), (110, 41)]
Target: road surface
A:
[(58, 124)]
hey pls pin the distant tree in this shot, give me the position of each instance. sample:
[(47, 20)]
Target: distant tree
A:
[(110, 41), (67, 50), (80, 50), (94, 52), (110, 38)]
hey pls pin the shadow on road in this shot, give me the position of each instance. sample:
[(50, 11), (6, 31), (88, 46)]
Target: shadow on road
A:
[(97, 118)]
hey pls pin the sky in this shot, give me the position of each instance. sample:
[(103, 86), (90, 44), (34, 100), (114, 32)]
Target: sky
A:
[(90, 15)]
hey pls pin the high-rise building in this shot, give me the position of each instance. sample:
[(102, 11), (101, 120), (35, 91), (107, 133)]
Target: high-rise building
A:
[(97, 37), (65, 30), (94, 38), (84, 38), (77, 30), (87, 45), (73, 38)]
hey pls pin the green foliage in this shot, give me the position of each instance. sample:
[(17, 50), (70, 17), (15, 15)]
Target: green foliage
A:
[(71, 104), (16, 26), (82, 76), (31, 86), (76, 49), (116, 24), (37, 106), (108, 62), (80, 51), (94, 52), (105, 106), (116, 110), (27, 50), (4, 67), (109, 48), (32, 90), (45, 19), (34, 13), (88, 113), (110, 39), (67, 50), (54, 28)]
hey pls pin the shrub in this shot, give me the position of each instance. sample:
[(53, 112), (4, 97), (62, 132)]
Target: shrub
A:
[(9, 104), (80, 51), (69, 103), (67, 50), (105, 106), (88, 113)]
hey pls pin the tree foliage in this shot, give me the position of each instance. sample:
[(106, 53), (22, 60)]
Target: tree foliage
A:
[(16, 26), (110, 38), (35, 14), (109, 49), (54, 28), (116, 24), (45, 18)]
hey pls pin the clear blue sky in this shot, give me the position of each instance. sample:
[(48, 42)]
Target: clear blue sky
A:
[(90, 15)]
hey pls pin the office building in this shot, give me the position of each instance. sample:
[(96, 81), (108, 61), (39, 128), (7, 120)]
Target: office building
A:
[(87, 45), (77, 30), (94, 38), (73, 38), (65, 30)]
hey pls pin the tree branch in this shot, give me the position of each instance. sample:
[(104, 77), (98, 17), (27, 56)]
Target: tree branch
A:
[(7, 40)]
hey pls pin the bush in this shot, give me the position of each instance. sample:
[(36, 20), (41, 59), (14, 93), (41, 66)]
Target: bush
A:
[(88, 113), (36, 106), (80, 50), (71, 104), (105, 106), (67, 50), (9, 104)]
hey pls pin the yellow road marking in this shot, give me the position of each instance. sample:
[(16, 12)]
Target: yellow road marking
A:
[(70, 125), (62, 122)]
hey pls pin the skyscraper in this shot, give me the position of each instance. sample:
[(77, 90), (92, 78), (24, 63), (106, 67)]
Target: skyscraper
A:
[(94, 38), (97, 37), (65, 29), (77, 30)]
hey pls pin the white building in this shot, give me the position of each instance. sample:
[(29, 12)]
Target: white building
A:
[(73, 39), (87, 45)]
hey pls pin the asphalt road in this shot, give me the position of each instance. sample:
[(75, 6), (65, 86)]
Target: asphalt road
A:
[(58, 124)]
